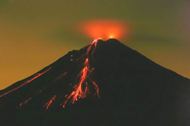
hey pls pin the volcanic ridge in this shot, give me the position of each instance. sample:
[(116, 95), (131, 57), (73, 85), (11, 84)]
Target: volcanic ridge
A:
[(103, 84)]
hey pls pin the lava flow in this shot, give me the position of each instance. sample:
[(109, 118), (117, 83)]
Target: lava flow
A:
[(82, 87), (26, 82), (50, 102)]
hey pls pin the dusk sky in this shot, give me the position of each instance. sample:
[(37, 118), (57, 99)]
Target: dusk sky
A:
[(34, 33)]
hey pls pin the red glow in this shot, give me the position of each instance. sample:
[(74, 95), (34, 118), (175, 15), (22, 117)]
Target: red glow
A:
[(81, 89), (26, 82), (50, 102), (104, 29)]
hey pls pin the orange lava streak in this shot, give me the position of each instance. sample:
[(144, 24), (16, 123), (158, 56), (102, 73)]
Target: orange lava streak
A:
[(80, 90), (50, 102), (26, 82)]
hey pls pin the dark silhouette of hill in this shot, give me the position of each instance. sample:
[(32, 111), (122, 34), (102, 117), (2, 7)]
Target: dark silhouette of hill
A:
[(119, 87)]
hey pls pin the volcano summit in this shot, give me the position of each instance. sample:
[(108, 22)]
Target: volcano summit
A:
[(103, 84)]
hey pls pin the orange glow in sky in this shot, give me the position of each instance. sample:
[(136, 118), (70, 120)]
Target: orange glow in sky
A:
[(104, 29)]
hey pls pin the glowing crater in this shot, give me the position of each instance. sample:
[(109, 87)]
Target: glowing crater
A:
[(104, 29)]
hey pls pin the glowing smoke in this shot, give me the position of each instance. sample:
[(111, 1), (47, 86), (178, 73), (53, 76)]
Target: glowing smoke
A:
[(104, 29)]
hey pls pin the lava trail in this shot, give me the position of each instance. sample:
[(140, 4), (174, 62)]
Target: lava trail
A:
[(26, 82), (85, 85), (81, 89), (50, 102)]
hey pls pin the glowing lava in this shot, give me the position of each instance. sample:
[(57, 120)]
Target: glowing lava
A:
[(104, 29), (50, 102), (26, 82), (82, 87), (85, 86)]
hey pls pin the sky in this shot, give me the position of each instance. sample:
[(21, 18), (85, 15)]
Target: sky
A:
[(34, 33)]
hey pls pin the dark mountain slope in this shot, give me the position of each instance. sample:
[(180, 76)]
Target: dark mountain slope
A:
[(121, 87)]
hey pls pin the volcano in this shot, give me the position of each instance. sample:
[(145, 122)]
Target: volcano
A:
[(103, 84)]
